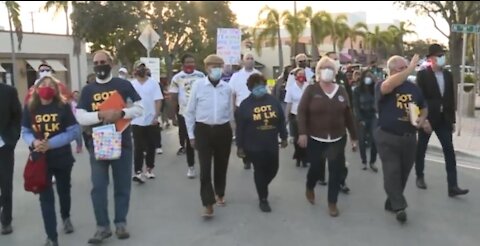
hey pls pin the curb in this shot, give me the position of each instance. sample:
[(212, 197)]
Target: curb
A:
[(457, 151)]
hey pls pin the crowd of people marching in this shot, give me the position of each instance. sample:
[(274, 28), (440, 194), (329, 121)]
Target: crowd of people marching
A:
[(324, 106)]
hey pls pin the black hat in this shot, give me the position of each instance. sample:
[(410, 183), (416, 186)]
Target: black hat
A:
[(435, 49)]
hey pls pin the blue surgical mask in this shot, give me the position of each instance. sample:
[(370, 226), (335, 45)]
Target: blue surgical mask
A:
[(259, 91), (368, 80), (216, 73), (441, 61)]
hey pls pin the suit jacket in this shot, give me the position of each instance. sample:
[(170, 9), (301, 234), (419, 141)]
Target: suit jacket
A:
[(10, 115), (438, 106)]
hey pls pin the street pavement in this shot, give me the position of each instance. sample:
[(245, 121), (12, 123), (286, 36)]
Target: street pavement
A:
[(167, 210)]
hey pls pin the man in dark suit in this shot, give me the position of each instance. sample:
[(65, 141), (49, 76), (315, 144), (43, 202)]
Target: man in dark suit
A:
[(437, 87), (11, 114)]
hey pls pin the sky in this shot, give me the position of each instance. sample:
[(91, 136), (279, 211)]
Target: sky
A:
[(377, 12)]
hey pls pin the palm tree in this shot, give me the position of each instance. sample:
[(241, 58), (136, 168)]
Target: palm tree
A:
[(336, 27), (59, 6), (295, 26), (360, 29), (13, 10), (267, 30), (317, 32), (377, 40), (398, 32)]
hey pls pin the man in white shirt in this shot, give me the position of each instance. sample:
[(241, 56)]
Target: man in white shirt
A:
[(146, 127), (301, 62), (208, 124), (240, 91), (180, 90)]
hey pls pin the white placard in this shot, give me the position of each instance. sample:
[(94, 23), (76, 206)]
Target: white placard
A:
[(153, 64), (229, 45)]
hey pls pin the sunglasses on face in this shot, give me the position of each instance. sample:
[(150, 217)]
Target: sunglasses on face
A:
[(102, 62), (44, 70)]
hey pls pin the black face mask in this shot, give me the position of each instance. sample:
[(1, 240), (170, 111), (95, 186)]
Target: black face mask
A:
[(102, 71)]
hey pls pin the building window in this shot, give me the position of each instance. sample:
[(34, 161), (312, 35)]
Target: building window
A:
[(31, 75)]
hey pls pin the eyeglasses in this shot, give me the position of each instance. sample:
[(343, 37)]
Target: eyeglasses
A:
[(102, 62), (302, 61), (440, 55), (44, 70)]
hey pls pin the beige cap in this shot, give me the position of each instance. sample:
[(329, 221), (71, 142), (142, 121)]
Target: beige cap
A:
[(301, 56), (138, 64), (213, 60)]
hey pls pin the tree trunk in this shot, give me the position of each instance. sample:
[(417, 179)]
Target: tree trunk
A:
[(13, 76), (280, 50), (455, 47)]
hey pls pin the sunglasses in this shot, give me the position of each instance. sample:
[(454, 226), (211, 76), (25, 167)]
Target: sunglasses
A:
[(44, 70), (102, 62)]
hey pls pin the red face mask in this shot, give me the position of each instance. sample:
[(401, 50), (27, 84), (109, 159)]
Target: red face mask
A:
[(301, 79), (46, 93), (188, 68)]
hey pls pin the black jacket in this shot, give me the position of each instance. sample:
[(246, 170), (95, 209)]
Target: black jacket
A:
[(427, 82), (10, 115)]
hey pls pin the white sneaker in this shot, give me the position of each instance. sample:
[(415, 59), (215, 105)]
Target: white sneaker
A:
[(191, 173), (139, 178), (149, 174), (159, 151)]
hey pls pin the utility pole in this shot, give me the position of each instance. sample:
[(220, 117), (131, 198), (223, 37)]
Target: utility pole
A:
[(295, 42), (31, 18), (13, 76)]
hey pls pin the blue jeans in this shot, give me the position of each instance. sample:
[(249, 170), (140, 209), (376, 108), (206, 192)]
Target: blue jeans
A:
[(63, 178), (122, 174)]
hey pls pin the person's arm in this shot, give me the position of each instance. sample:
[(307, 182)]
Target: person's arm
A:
[(64, 138), (356, 105), (396, 80), (302, 112), (240, 126), (282, 123), (174, 91), (15, 114), (28, 135), (158, 103), (190, 114), (289, 101)]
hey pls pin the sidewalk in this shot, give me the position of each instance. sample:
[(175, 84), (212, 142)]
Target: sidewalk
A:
[(469, 141)]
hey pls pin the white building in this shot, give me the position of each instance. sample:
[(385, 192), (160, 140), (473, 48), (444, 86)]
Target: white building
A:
[(56, 50)]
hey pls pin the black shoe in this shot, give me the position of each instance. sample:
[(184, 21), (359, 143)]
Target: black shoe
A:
[(401, 216), (373, 167), (388, 206), (456, 191), (344, 189), (50, 243), (322, 183), (304, 164), (298, 163), (67, 226), (421, 183), (247, 165), (99, 236), (264, 206), (181, 151), (8, 229)]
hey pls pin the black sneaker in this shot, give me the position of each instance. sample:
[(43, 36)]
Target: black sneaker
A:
[(6, 230), (388, 206), (322, 183), (181, 151), (264, 206), (344, 189), (99, 236), (247, 165), (401, 216)]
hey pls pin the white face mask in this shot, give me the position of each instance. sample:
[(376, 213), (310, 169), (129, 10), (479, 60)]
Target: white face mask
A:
[(45, 73), (327, 75), (441, 61), (368, 80)]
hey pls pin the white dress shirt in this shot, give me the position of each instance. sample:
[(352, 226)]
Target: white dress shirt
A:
[(291, 78), (294, 95), (208, 104), (440, 81), (150, 92), (182, 85), (238, 82)]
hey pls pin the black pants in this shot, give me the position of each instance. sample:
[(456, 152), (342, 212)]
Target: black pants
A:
[(47, 199), (6, 183), (398, 155), (300, 153), (344, 169), (182, 132), (213, 142), (145, 138), (158, 143), (366, 135), (444, 134), (265, 164), (317, 152)]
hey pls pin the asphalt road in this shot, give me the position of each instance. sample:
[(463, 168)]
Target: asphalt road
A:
[(166, 211)]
